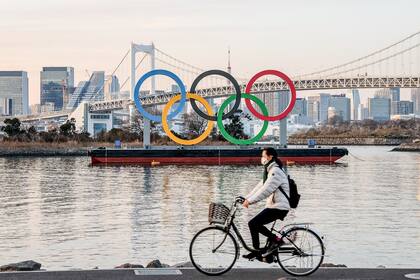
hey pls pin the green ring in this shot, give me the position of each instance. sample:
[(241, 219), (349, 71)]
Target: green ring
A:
[(242, 141)]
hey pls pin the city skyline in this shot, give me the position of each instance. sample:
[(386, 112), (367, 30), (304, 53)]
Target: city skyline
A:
[(38, 38)]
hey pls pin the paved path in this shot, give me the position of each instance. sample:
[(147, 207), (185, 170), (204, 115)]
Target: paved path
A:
[(191, 274)]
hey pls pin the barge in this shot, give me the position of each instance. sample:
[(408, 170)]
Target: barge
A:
[(210, 155)]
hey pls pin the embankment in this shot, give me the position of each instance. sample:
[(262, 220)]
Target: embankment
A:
[(348, 141)]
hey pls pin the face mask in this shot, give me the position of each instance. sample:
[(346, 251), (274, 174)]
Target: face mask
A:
[(263, 160)]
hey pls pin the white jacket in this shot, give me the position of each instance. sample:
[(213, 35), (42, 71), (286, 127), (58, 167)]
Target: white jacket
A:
[(270, 189)]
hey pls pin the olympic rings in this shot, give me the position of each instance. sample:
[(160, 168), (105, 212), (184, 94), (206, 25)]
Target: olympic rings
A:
[(219, 116), (232, 139), (235, 85), (289, 107), (164, 73), (176, 139)]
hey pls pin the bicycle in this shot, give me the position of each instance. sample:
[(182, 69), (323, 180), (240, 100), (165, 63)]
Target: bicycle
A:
[(214, 249)]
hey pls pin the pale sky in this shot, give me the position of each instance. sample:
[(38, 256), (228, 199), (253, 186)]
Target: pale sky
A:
[(293, 36)]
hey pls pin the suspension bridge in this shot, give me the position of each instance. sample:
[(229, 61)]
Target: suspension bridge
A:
[(397, 65), (394, 66)]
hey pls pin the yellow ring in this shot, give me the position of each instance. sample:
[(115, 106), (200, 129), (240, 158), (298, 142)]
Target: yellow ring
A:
[(176, 139)]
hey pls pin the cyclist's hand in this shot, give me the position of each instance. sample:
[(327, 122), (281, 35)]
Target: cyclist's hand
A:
[(246, 203)]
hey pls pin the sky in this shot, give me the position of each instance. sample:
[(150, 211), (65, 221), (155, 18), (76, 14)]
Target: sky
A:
[(295, 37)]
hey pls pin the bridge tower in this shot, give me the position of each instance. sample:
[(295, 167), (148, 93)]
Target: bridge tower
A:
[(150, 50)]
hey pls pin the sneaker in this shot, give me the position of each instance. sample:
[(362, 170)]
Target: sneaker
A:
[(274, 244), (252, 255)]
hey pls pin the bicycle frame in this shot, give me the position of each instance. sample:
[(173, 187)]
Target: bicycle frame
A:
[(229, 224)]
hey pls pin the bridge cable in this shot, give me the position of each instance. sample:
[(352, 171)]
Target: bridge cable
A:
[(361, 58)]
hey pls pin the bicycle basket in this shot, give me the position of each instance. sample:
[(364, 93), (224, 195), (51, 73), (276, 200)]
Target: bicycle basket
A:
[(218, 213)]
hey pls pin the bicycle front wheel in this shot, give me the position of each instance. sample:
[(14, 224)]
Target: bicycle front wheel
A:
[(213, 251), (303, 252)]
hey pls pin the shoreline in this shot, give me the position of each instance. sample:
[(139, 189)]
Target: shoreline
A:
[(412, 147), (81, 150), (349, 141), (72, 149)]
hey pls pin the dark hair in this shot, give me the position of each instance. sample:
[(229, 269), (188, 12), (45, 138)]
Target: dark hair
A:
[(272, 152)]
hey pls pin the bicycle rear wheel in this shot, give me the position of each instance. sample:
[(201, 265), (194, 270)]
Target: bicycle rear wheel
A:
[(303, 252), (213, 251)]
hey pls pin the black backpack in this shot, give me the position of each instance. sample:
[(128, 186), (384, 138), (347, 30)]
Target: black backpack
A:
[(294, 195)]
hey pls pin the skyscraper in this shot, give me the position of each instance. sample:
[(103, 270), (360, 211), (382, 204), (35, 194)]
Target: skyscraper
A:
[(300, 107), (379, 108), (276, 102), (391, 93), (362, 112), (318, 107), (56, 83), (313, 108), (111, 85), (415, 98), (402, 107), (395, 94), (355, 102), (92, 90), (342, 106), (14, 97), (324, 103)]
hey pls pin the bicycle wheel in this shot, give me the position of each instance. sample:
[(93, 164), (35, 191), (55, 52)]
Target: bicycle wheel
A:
[(303, 252), (213, 251)]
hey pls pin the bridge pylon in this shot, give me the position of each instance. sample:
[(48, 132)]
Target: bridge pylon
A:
[(150, 50)]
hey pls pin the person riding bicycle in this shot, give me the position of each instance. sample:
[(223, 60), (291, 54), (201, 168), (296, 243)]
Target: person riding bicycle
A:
[(277, 205)]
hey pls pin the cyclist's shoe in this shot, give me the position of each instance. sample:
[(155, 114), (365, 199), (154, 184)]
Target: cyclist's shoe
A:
[(252, 255), (274, 244)]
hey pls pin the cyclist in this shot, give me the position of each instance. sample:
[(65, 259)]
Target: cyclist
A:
[(277, 205)]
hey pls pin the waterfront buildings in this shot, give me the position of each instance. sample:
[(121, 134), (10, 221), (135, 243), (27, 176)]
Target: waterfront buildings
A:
[(362, 112), (354, 104), (56, 85), (111, 86), (379, 108), (415, 98), (402, 107), (342, 106), (14, 96), (301, 107)]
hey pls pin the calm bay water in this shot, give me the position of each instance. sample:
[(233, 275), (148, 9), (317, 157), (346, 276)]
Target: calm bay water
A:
[(66, 214)]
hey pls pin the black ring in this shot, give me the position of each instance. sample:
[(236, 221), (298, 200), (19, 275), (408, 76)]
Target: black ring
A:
[(235, 85)]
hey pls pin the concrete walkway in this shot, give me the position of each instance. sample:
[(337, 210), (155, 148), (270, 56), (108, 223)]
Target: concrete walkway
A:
[(192, 274)]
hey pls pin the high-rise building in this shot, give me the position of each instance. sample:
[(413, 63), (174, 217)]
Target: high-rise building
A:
[(342, 106), (56, 84), (391, 93), (379, 108), (355, 102), (402, 107), (92, 90), (276, 102), (300, 107), (395, 94), (324, 103), (313, 108), (320, 113), (14, 97), (415, 98), (111, 86), (362, 112)]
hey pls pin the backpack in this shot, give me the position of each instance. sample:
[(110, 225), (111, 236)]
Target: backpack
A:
[(294, 195)]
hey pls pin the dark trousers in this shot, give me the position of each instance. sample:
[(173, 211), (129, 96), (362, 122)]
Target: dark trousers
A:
[(256, 224)]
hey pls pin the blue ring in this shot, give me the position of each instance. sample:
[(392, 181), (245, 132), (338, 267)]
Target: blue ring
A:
[(169, 74)]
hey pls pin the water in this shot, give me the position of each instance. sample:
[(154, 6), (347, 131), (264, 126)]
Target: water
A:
[(65, 214)]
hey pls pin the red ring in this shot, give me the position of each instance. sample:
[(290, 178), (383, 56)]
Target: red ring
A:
[(285, 78)]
